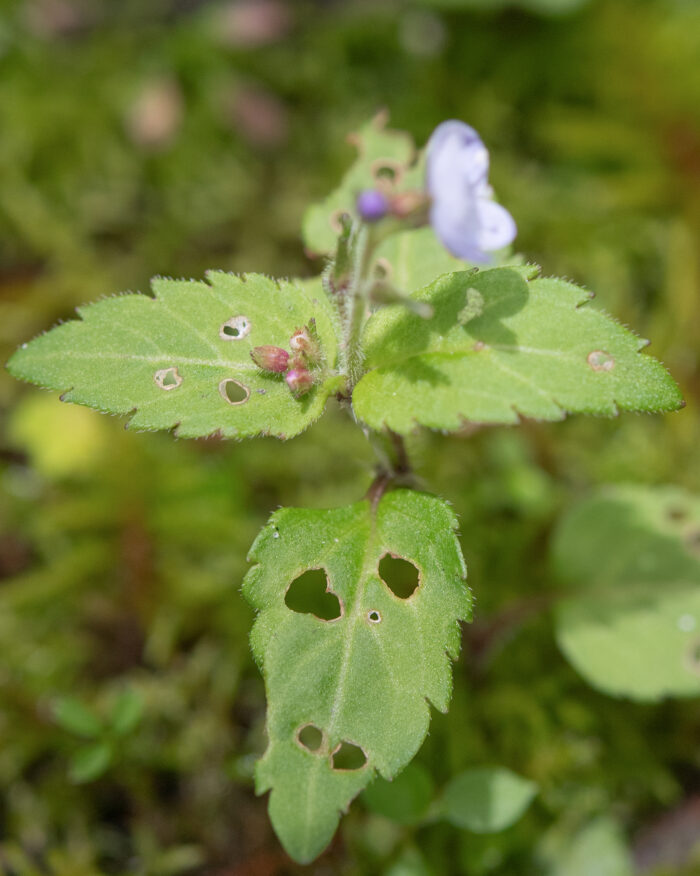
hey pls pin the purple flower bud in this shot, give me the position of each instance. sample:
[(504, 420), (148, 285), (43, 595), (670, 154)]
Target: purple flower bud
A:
[(299, 380), (270, 358), (409, 203), (372, 205), (463, 213)]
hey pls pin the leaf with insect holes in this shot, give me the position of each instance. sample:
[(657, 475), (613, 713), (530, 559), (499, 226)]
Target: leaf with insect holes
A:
[(349, 673), (182, 358), (503, 344), (379, 150), (631, 621)]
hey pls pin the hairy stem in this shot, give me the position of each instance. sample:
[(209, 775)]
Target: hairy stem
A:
[(357, 309)]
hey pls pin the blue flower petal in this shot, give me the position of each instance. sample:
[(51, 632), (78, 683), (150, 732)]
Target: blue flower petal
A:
[(464, 216), (496, 226)]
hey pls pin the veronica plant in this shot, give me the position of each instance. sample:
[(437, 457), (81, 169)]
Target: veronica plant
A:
[(422, 317)]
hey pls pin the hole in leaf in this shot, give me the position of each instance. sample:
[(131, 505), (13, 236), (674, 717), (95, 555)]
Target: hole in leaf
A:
[(167, 378), (335, 220), (599, 360), (233, 392), (310, 737), (374, 617), (400, 576), (309, 594), (383, 269), (386, 170), (348, 757), (235, 328)]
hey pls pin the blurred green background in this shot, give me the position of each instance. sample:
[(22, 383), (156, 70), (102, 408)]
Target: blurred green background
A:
[(171, 136)]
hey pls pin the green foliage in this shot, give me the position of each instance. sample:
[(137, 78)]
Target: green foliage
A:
[(127, 712), (544, 7), (76, 717), (486, 799), (365, 678), (631, 557), (120, 559), (481, 800), (597, 849), (405, 799), (174, 360), (536, 351), (413, 259), (90, 763), (93, 760), (378, 149)]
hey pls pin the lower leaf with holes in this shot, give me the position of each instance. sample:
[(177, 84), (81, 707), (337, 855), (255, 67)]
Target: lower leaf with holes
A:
[(182, 358), (348, 690)]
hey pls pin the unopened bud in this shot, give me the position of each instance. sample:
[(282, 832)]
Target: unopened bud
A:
[(372, 205), (270, 358), (408, 204), (299, 380), (305, 341)]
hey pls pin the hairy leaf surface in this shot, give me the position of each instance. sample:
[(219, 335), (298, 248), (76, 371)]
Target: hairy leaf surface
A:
[(631, 556), (379, 150), (364, 679), (500, 346), (182, 358)]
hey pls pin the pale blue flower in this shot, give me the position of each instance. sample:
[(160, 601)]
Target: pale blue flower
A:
[(463, 213)]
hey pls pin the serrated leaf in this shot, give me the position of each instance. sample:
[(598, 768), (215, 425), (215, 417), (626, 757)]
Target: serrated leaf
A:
[(364, 678), (74, 716), (631, 556), (537, 350), (90, 763), (377, 147), (486, 799), (169, 360), (404, 799)]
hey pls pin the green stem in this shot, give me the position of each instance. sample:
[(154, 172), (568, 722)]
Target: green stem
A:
[(349, 287), (352, 306)]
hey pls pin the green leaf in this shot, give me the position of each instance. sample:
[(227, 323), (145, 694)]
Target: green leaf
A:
[(486, 799), (179, 360), (405, 799), (599, 849), (537, 350), (366, 677), (412, 259), (76, 717), (90, 763), (410, 862), (127, 712), (377, 148), (631, 556)]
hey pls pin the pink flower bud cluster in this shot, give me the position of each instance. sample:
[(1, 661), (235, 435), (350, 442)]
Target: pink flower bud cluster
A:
[(300, 366)]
